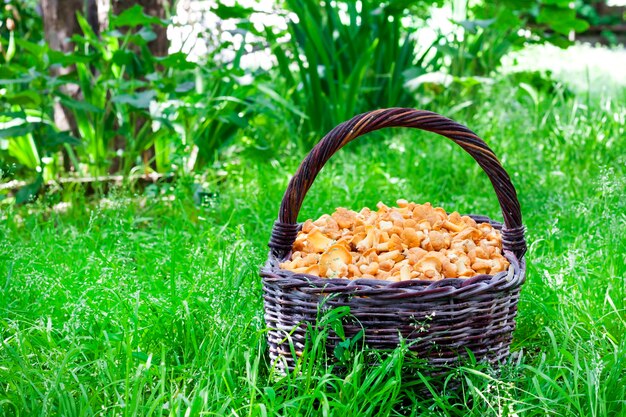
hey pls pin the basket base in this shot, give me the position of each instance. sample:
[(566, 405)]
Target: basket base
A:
[(440, 323)]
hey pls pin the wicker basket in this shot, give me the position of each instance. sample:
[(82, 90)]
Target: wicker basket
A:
[(475, 314)]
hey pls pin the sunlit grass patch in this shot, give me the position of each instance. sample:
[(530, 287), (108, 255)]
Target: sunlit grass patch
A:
[(151, 304)]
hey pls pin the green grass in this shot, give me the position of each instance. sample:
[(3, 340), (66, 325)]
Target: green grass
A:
[(150, 305)]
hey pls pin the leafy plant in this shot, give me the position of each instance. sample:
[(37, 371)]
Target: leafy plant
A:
[(212, 113), (119, 79), (29, 139), (114, 76), (493, 29), (124, 101), (22, 143), (342, 58), (18, 20)]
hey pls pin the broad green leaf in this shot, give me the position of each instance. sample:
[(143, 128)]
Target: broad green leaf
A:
[(123, 57), (236, 11), (29, 192), (16, 131), (113, 34), (9, 72), (580, 25), (139, 100), (145, 34), (566, 26), (24, 98), (176, 60), (71, 58), (130, 62), (52, 138), (134, 17), (79, 105), (555, 15), (32, 48)]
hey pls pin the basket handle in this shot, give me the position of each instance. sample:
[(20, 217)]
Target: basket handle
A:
[(286, 228)]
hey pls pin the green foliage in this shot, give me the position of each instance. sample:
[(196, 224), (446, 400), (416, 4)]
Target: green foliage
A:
[(478, 48), (152, 305), (547, 20), (335, 59), (116, 74), (89, 327), (342, 59), (494, 29), (585, 9), (123, 99), (20, 20), (22, 143), (111, 100), (212, 113)]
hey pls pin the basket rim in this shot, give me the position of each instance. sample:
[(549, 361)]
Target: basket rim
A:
[(273, 273), (272, 268)]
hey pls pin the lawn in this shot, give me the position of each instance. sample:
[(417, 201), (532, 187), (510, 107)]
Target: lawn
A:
[(146, 303)]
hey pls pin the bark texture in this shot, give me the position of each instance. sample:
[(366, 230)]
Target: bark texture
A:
[(59, 18)]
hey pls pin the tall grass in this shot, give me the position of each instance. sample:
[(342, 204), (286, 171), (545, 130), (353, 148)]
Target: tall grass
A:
[(151, 304)]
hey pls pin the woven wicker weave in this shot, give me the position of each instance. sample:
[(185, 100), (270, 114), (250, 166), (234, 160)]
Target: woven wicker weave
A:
[(439, 320)]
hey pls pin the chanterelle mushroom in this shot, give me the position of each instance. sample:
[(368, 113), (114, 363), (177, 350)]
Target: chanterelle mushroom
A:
[(431, 266), (410, 241), (335, 261), (344, 218), (317, 242)]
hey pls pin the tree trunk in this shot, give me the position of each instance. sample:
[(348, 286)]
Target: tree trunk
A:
[(59, 18)]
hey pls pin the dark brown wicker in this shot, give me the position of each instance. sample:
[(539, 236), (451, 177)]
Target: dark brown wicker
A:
[(439, 320)]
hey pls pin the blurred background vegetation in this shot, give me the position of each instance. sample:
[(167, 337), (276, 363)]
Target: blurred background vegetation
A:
[(93, 88)]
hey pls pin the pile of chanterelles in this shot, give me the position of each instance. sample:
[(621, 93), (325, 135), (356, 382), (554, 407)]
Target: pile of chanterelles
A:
[(411, 241)]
